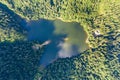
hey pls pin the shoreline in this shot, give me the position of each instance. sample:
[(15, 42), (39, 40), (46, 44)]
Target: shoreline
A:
[(53, 19), (27, 20)]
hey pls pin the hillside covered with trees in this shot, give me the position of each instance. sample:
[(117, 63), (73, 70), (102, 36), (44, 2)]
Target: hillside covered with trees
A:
[(101, 21), (10, 29), (18, 59), (52, 9)]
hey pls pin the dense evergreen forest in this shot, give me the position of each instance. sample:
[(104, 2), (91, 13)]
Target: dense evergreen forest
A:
[(10, 29), (52, 9), (18, 60), (101, 21)]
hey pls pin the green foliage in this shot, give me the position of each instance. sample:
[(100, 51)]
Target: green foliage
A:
[(106, 24), (18, 60), (100, 62), (73, 10), (10, 29)]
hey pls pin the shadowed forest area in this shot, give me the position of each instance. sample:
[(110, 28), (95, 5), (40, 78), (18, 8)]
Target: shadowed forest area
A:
[(99, 18), (18, 60)]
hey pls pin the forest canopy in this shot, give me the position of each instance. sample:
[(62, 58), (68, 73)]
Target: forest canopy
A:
[(100, 62)]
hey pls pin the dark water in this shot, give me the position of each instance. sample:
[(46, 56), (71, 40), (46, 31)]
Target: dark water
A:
[(67, 38)]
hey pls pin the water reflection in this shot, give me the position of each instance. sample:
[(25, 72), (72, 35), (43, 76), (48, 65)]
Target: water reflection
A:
[(67, 50), (67, 38)]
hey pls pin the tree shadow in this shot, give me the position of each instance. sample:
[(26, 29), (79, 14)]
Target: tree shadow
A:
[(18, 61)]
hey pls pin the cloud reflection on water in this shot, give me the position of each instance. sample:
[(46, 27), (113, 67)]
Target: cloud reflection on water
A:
[(67, 39)]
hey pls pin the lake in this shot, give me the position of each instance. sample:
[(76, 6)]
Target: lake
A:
[(67, 39)]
